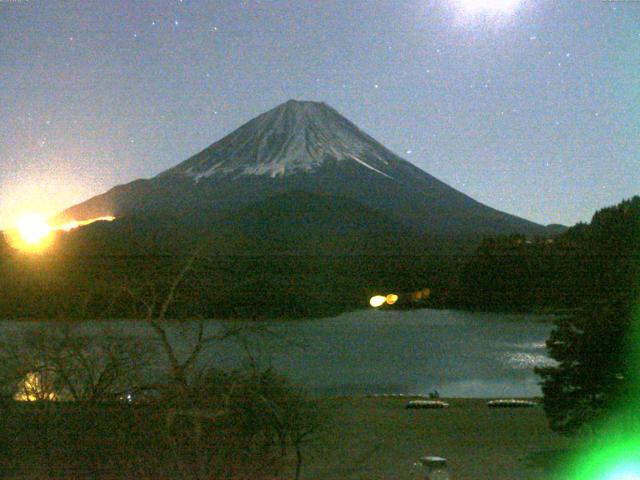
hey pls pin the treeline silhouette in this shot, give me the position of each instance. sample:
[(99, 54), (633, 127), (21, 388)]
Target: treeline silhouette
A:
[(588, 260), (511, 273), (284, 286)]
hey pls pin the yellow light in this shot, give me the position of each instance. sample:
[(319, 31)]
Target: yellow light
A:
[(81, 223), (377, 301), (33, 234), (391, 298), (33, 229), (35, 387)]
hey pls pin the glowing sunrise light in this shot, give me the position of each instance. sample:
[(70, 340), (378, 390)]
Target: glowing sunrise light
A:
[(33, 234), (33, 229), (67, 227)]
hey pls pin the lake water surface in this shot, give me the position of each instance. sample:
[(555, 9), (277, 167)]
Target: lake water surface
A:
[(460, 354)]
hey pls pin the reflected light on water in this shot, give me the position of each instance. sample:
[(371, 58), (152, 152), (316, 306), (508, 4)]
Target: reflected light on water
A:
[(526, 361)]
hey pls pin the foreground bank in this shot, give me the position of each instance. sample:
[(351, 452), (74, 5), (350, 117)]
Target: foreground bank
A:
[(372, 438), (377, 438)]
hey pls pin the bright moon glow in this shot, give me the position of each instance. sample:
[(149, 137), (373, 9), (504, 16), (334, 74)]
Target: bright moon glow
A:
[(488, 7)]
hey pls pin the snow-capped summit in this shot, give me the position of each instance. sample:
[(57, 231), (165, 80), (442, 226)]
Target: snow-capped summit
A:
[(305, 147), (295, 137)]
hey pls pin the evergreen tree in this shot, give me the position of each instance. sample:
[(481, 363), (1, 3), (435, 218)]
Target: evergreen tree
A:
[(593, 348), (592, 372)]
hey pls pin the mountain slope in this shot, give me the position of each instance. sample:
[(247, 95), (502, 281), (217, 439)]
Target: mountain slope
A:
[(298, 223), (303, 146)]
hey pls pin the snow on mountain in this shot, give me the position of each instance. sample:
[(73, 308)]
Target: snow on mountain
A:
[(292, 138), (303, 147)]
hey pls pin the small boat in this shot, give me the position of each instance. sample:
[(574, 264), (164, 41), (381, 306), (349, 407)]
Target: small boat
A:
[(427, 404), (511, 403)]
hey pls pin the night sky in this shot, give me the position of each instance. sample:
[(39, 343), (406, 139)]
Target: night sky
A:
[(530, 106)]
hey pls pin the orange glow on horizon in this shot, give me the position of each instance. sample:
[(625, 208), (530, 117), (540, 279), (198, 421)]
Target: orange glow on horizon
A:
[(32, 233), (33, 229), (81, 223)]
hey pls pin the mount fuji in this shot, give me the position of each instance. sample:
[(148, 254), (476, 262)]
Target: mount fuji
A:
[(302, 165)]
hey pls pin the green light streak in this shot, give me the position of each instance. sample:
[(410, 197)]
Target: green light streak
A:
[(612, 458), (615, 453)]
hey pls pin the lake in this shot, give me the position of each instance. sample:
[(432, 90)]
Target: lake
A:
[(459, 354)]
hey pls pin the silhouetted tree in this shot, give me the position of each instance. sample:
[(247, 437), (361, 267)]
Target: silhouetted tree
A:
[(593, 348), (592, 373), (58, 362)]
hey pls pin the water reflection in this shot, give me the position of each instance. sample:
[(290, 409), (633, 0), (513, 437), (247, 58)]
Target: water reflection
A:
[(378, 351), (525, 360)]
